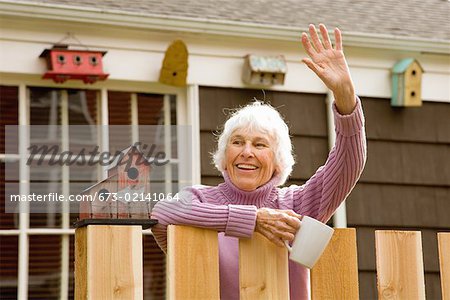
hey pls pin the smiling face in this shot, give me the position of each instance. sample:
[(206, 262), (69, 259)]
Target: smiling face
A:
[(249, 159)]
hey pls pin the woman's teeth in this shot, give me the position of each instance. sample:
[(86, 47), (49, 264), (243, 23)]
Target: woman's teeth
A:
[(246, 167)]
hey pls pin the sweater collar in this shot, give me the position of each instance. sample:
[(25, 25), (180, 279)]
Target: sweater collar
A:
[(258, 197)]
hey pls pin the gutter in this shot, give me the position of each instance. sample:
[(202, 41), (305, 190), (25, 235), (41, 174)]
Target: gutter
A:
[(90, 15)]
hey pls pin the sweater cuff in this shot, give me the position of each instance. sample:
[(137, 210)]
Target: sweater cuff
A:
[(241, 220), (351, 124)]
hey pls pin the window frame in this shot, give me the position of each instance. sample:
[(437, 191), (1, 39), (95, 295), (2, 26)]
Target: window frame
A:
[(187, 107)]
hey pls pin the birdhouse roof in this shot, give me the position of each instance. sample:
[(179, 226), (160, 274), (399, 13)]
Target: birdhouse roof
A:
[(402, 65), (65, 48), (98, 183), (133, 149), (271, 64)]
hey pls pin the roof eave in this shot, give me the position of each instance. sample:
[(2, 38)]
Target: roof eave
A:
[(207, 26)]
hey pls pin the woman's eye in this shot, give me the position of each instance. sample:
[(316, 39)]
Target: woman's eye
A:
[(261, 145), (236, 142)]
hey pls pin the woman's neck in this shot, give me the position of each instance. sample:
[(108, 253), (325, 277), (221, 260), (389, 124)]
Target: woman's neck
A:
[(258, 197)]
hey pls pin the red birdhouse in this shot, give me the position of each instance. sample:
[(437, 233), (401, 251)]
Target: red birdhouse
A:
[(64, 64)]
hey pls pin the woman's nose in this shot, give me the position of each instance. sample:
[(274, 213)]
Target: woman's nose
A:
[(247, 151)]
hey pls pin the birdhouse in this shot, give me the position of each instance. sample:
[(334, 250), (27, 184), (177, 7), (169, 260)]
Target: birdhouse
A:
[(406, 83), (123, 195), (64, 64), (175, 65), (264, 70)]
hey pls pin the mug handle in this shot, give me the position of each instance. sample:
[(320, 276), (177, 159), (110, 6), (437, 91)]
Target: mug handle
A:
[(286, 243)]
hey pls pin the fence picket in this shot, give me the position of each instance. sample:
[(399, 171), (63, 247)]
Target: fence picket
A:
[(335, 275), (263, 269), (444, 263), (399, 257), (192, 263)]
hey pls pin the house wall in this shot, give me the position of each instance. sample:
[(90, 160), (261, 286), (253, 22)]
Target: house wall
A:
[(406, 180), (135, 55), (405, 184)]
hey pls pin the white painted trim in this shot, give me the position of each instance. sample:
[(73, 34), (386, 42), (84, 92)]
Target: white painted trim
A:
[(193, 112), (64, 283), (134, 119), (24, 218), (340, 216), (167, 145), (207, 26), (104, 128)]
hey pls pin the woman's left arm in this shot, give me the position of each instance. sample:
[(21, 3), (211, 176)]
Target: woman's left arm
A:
[(320, 196)]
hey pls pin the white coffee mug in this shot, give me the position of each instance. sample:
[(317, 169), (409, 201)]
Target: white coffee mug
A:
[(310, 241)]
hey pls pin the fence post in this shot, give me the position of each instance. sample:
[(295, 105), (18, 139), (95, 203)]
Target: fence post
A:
[(335, 275), (192, 263), (108, 262), (399, 258), (444, 263), (263, 269)]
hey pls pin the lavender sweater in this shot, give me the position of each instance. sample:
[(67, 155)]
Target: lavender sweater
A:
[(232, 212)]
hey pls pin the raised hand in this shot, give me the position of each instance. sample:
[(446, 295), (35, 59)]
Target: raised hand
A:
[(330, 65), (277, 225)]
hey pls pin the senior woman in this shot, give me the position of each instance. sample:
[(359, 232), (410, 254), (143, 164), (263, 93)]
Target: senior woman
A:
[(255, 157)]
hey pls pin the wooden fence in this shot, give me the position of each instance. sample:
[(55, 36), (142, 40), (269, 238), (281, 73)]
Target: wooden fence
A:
[(193, 266)]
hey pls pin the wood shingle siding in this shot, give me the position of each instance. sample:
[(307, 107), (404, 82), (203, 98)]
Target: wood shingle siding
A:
[(405, 184)]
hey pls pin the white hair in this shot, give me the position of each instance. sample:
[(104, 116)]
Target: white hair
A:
[(265, 119)]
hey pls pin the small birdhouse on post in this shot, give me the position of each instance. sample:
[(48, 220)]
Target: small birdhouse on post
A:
[(64, 64), (123, 195), (406, 83), (264, 70)]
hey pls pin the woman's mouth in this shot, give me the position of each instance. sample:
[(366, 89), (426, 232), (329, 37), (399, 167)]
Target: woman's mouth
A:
[(246, 167)]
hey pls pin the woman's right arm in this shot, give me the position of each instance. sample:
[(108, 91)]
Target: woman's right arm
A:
[(234, 220)]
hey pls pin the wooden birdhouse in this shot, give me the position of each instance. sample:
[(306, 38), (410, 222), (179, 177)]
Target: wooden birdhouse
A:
[(406, 83), (175, 65), (64, 64), (264, 70), (124, 194)]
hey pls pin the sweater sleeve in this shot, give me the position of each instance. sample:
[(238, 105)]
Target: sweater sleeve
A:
[(234, 220), (322, 194)]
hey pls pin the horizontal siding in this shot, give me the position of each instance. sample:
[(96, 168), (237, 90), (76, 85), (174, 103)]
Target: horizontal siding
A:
[(427, 124), (407, 163), (399, 205), (405, 184)]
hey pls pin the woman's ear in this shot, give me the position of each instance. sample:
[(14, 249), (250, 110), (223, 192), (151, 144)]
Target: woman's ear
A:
[(277, 171)]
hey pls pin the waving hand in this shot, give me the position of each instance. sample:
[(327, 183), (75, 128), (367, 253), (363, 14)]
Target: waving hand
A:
[(330, 65)]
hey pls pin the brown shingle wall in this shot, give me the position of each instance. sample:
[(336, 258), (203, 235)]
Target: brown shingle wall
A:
[(405, 184)]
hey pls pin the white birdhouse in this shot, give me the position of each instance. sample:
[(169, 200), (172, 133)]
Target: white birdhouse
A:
[(264, 70)]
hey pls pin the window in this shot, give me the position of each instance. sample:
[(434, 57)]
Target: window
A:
[(50, 241)]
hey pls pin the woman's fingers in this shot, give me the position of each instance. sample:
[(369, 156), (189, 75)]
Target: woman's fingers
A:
[(315, 38), (338, 38), (307, 45), (277, 225), (292, 222), (325, 37), (277, 237), (314, 67)]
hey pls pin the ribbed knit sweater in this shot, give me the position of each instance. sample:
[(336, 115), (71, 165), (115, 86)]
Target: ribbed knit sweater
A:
[(232, 212)]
